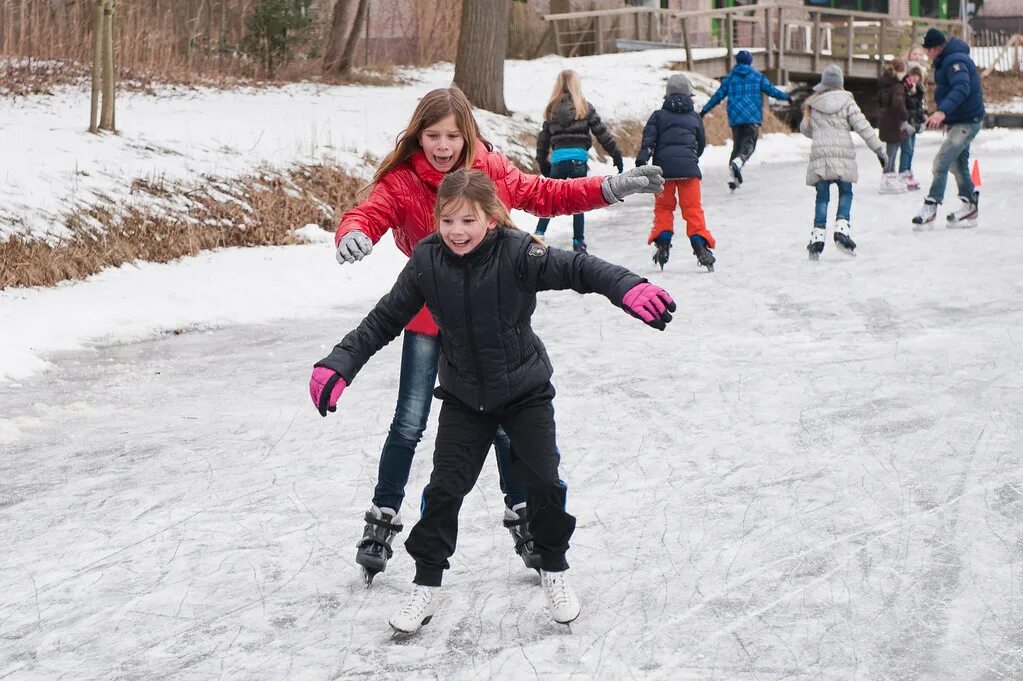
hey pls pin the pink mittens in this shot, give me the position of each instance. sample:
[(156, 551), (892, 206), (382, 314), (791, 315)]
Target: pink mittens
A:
[(325, 387), (650, 303)]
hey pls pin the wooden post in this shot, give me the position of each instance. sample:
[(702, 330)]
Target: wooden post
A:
[(636, 17), (557, 37), (97, 64), (880, 48), (685, 44), (651, 28), (730, 28), (816, 41), (106, 118), (849, 46), (780, 55), (599, 37)]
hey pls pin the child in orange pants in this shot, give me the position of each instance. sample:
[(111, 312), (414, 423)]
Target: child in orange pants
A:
[(675, 138)]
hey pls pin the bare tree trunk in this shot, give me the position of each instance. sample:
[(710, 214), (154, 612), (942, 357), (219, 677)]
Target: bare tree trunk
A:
[(482, 44), (334, 48), (97, 61), (345, 67), (107, 113)]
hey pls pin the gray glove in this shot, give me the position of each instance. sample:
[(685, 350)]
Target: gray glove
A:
[(908, 129), (642, 180), (354, 246)]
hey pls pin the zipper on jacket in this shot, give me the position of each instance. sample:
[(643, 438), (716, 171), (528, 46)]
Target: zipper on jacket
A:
[(472, 338)]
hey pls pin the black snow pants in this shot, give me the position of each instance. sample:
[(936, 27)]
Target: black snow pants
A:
[(464, 436), (744, 141)]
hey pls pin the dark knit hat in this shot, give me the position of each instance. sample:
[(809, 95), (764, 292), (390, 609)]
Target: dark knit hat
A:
[(933, 38), (743, 57)]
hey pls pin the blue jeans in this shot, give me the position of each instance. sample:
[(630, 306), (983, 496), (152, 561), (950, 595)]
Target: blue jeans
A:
[(419, 356), (954, 155), (845, 197), (906, 150), (564, 170)]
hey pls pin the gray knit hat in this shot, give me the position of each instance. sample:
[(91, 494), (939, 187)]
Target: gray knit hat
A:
[(678, 84), (831, 79)]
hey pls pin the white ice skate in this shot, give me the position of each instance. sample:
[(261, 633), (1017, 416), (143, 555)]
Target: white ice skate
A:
[(892, 184), (735, 174), (924, 219), (842, 239), (906, 177), (816, 245), (418, 609), (966, 215), (561, 599)]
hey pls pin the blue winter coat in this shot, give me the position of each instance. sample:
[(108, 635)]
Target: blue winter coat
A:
[(743, 87), (957, 84), (675, 137)]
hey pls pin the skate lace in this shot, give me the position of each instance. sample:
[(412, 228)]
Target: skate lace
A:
[(557, 589), (418, 600)]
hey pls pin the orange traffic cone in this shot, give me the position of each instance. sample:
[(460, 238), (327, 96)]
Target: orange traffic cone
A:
[(975, 173)]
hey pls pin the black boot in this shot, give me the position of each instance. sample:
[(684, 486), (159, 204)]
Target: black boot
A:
[(704, 256), (662, 253), (382, 524), (515, 521)]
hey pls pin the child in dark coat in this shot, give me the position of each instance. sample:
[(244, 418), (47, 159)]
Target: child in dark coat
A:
[(893, 121), (479, 277), (913, 82), (675, 138)]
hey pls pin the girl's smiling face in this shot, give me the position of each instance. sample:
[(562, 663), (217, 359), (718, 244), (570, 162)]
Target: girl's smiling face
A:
[(442, 143), (463, 225)]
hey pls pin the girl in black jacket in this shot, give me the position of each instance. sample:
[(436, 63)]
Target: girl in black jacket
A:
[(479, 276), (568, 121)]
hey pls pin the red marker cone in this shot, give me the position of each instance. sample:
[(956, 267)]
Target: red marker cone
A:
[(975, 173)]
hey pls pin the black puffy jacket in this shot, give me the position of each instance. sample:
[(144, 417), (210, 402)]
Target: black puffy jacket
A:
[(915, 106), (483, 303), (563, 130), (674, 136)]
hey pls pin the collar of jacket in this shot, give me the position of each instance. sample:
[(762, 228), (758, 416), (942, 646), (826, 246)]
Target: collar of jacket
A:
[(478, 255), (432, 177)]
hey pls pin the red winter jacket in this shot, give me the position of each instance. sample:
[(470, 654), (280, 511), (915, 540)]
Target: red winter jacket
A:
[(403, 201)]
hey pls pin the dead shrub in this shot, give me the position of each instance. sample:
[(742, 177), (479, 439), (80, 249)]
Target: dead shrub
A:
[(262, 209), (1002, 87)]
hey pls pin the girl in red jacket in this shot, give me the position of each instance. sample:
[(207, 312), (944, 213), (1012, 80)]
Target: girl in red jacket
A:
[(443, 136)]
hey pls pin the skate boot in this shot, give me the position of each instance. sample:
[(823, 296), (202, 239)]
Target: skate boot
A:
[(515, 521), (966, 215), (892, 184), (926, 214), (906, 176), (735, 173), (418, 609), (704, 256), (842, 238), (382, 524), (816, 245), (561, 599), (663, 252), (578, 246)]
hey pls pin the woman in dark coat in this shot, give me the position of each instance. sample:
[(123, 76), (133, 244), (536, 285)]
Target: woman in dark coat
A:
[(893, 121)]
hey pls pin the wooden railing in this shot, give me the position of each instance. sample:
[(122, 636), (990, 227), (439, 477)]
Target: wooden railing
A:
[(822, 33)]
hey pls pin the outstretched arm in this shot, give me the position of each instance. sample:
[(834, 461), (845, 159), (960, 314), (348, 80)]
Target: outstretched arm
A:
[(649, 142), (771, 91), (716, 97), (603, 135), (543, 149)]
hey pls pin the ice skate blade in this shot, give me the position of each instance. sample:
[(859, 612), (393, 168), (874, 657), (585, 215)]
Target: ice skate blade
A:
[(368, 575), (923, 226), (961, 224), (401, 634), (710, 268), (815, 257)]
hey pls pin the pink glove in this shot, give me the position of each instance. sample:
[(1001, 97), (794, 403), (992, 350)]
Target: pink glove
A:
[(650, 303), (325, 387)]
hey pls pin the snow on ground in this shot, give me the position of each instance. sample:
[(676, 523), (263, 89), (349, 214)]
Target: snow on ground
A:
[(813, 474)]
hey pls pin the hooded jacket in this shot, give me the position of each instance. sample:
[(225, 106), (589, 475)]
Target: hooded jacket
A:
[(675, 137), (743, 87), (892, 99), (957, 89), (828, 120), (483, 303), (404, 199), (563, 130)]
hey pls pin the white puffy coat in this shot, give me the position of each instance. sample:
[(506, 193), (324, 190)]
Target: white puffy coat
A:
[(829, 117)]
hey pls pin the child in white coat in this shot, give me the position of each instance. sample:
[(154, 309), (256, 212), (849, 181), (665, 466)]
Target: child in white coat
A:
[(829, 115)]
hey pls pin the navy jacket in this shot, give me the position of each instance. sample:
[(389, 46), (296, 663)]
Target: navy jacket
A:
[(483, 303), (674, 136), (957, 84)]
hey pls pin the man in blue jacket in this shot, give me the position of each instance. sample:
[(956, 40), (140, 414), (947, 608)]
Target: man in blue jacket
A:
[(960, 111), (745, 110)]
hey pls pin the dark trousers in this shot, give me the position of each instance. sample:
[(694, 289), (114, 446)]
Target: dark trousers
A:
[(463, 438), (564, 170), (744, 141)]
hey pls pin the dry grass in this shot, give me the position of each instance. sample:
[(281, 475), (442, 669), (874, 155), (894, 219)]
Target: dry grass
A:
[(262, 209), (1002, 87), (629, 133)]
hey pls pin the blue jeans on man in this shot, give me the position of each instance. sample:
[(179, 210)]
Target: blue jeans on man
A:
[(954, 157), (845, 197), (419, 356)]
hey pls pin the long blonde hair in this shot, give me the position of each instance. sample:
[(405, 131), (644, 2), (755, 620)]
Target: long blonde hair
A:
[(466, 184), (434, 106), (568, 83)]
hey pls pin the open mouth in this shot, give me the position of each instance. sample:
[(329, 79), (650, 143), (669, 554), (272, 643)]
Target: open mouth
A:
[(459, 243), (443, 160)]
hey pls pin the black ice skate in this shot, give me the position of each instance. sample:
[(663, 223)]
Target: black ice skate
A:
[(704, 256), (382, 524), (816, 245), (842, 238), (662, 253), (515, 521), (966, 215), (578, 246)]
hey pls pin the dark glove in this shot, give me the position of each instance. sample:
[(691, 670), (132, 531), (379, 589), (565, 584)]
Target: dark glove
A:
[(883, 158), (640, 161), (545, 168), (619, 164), (702, 114)]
